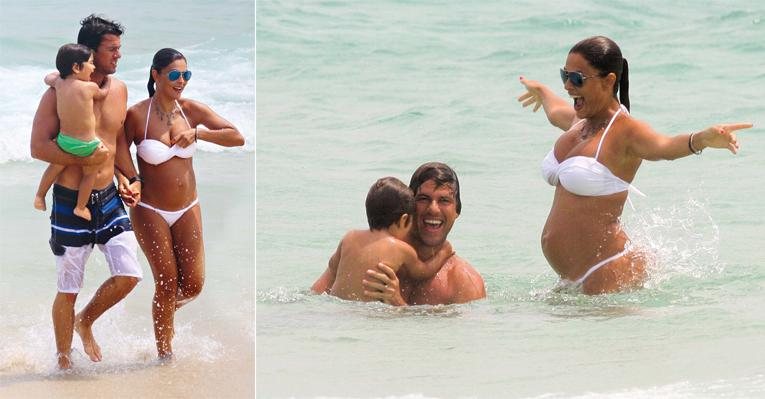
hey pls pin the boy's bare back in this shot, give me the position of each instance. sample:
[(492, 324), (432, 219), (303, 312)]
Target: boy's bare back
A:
[(74, 104), (361, 250)]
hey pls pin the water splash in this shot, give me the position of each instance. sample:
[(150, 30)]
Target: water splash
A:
[(284, 295), (681, 244), (126, 340), (681, 240), (290, 295)]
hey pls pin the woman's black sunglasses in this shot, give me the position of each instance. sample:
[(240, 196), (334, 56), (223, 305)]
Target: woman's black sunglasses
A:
[(576, 78)]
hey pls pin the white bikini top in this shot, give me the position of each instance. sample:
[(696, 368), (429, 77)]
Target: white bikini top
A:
[(156, 152), (583, 175)]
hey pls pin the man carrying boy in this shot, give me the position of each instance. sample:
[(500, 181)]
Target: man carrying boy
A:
[(73, 238), (390, 214)]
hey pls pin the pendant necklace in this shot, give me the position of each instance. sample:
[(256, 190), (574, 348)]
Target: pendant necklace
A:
[(167, 117)]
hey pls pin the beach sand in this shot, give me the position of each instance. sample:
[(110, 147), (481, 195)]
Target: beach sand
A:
[(224, 378)]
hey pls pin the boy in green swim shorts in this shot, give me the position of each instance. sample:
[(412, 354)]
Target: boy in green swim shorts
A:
[(75, 94)]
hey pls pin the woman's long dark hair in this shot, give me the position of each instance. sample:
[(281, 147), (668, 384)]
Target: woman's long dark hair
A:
[(162, 58), (604, 55)]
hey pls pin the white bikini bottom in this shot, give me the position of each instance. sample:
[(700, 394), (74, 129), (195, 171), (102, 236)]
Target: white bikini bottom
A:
[(171, 216), (564, 283)]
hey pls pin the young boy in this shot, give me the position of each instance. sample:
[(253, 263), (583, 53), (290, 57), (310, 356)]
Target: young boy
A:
[(390, 214), (75, 94)]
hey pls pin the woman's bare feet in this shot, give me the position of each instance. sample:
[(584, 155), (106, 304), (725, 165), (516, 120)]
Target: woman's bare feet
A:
[(167, 358), (64, 360)]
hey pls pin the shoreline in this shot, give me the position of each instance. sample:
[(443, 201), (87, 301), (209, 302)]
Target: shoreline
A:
[(178, 379)]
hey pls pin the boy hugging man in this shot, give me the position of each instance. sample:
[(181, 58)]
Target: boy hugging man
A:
[(390, 213)]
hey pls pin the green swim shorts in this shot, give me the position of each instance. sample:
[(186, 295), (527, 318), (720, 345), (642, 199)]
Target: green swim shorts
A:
[(77, 147)]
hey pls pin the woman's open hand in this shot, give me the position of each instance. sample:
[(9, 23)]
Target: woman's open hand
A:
[(533, 93)]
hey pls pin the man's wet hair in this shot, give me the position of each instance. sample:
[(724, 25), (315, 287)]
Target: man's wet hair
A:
[(94, 27), (440, 173)]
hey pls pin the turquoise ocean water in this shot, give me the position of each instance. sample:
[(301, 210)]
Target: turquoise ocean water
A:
[(352, 91), (215, 335)]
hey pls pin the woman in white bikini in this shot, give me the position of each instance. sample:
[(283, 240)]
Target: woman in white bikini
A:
[(593, 163), (168, 220)]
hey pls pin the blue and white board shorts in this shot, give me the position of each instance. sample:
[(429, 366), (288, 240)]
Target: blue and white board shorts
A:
[(73, 238)]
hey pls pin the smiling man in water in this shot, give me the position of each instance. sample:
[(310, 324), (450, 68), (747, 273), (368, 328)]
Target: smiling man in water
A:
[(437, 206)]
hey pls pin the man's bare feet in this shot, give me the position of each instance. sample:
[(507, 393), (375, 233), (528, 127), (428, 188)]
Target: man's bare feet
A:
[(40, 203), (83, 213), (88, 341), (64, 360)]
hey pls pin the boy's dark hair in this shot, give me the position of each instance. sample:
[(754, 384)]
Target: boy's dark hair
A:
[(162, 58), (388, 199), (70, 54), (442, 174), (94, 27)]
